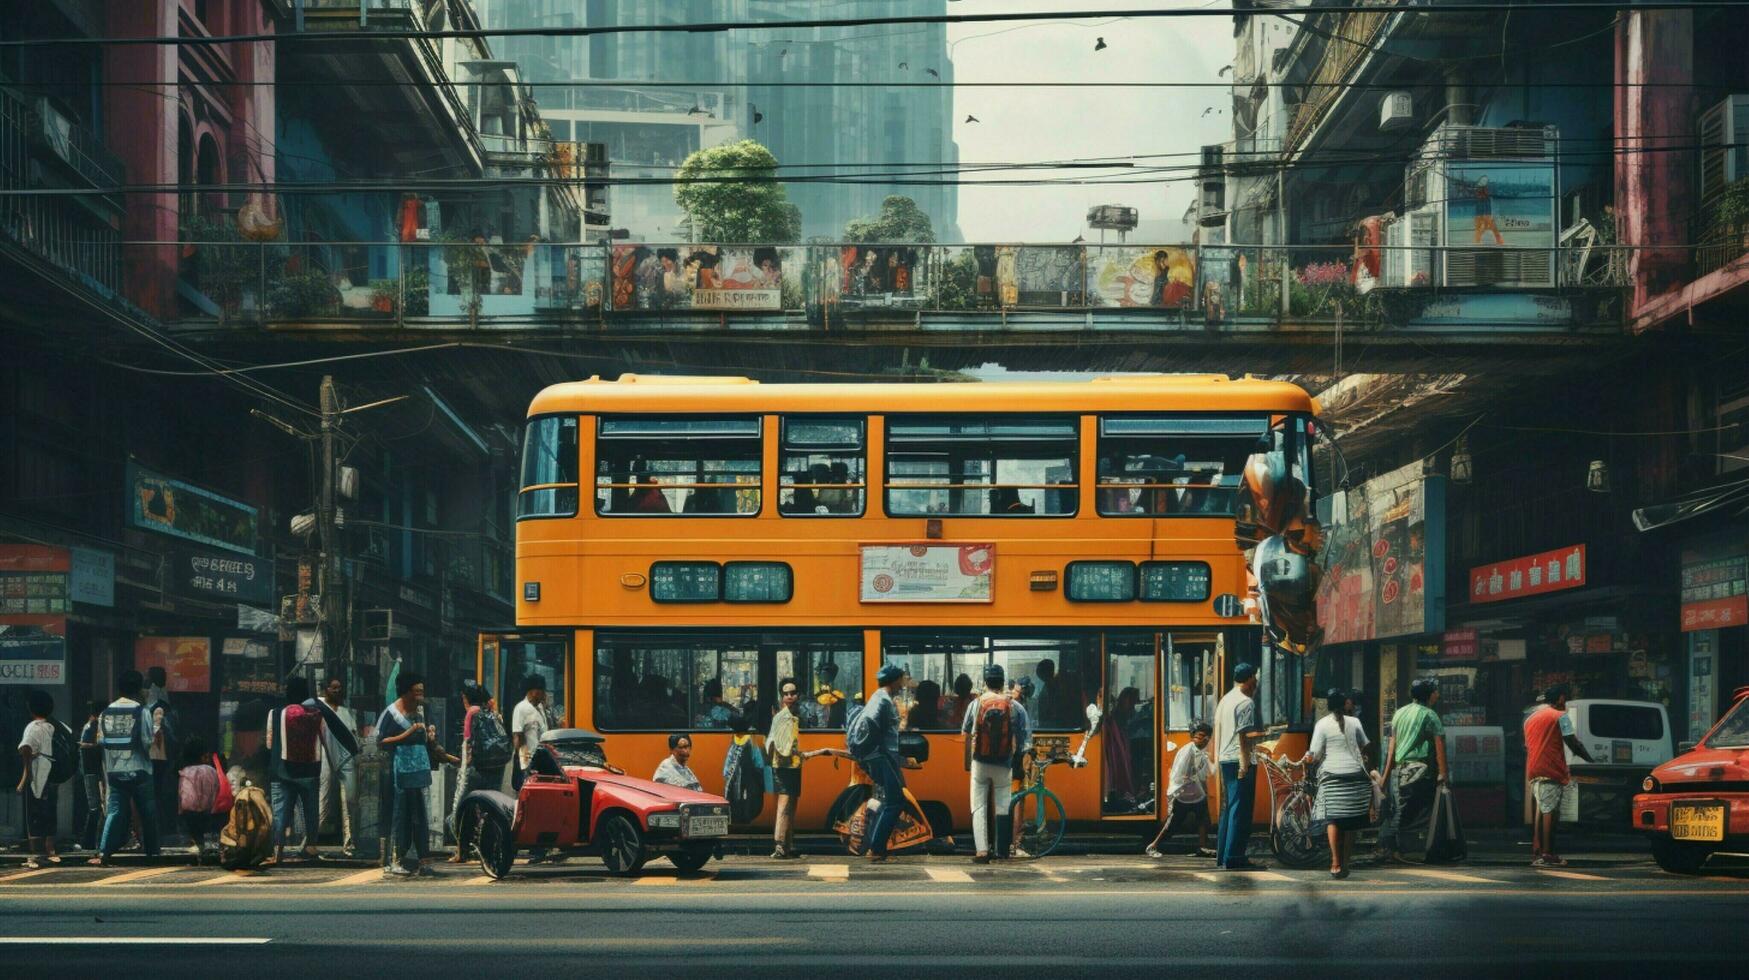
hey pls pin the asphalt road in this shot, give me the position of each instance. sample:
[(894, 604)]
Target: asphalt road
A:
[(915, 917)]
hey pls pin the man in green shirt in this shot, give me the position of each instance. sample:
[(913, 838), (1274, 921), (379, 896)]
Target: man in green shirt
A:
[(1414, 765)]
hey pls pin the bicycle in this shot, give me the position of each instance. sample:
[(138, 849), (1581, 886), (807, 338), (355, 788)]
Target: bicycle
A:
[(1292, 797), (1036, 813)]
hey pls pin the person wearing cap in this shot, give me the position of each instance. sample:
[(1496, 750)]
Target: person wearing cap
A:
[(886, 767), (1415, 765), (992, 788), (1237, 733)]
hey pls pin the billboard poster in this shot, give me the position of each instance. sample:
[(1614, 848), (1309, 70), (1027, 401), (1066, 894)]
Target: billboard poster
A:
[(92, 577), (1147, 276), (187, 661), (1386, 556), (168, 506), (34, 652), (700, 277), (1500, 205), (1043, 276), (928, 573), (33, 581)]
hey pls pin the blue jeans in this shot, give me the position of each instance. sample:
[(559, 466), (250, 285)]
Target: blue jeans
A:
[(889, 786), (412, 827), (289, 793), (1238, 796), (127, 788)]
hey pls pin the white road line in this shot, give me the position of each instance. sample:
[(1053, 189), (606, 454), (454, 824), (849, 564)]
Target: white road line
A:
[(357, 878), (139, 875), (1575, 875), (947, 875), (1445, 876), (134, 940), (831, 872)]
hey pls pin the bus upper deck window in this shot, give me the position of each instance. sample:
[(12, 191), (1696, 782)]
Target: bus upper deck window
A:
[(994, 465), (823, 467), (1174, 466), (549, 468), (695, 466)]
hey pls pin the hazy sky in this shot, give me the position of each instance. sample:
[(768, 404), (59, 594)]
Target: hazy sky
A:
[(1028, 124)]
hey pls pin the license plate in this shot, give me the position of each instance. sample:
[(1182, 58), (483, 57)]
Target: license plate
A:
[(711, 826), (1693, 822)]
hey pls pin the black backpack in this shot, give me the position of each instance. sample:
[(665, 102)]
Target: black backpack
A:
[(64, 763), (490, 747)]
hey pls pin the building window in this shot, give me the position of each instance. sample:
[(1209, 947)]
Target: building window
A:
[(1167, 466), (998, 466), (822, 467), (699, 466), (549, 468)]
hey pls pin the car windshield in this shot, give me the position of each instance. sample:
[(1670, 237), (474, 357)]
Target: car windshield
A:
[(579, 753), (1733, 732)]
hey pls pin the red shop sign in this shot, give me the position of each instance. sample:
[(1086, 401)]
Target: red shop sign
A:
[(1460, 644), (1550, 571)]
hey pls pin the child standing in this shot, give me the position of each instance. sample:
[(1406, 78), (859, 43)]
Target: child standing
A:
[(197, 791)]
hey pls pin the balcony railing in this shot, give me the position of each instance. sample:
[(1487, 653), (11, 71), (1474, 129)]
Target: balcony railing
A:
[(61, 230), (478, 283), (1354, 36)]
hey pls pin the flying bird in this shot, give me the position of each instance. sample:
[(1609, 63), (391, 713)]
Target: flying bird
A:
[(904, 66), (972, 119), (1223, 71), (932, 73), (1099, 44), (1210, 109)]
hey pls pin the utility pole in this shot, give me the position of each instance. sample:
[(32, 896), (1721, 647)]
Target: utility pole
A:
[(329, 574)]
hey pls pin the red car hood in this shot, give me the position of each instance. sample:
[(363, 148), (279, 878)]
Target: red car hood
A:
[(1705, 766), (651, 788)]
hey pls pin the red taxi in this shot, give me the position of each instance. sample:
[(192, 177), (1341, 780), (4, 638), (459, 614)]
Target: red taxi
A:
[(1697, 805), (575, 802)]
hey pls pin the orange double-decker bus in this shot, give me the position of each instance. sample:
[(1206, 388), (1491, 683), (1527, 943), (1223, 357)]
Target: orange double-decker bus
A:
[(685, 543)]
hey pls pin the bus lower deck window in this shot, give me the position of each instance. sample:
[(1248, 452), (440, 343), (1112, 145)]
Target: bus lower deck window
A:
[(697, 466)]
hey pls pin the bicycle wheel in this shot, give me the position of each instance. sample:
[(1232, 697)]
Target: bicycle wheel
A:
[(1292, 837), (1038, 822)]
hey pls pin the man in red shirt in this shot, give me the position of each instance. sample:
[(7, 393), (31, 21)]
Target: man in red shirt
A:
[(1548, 733)]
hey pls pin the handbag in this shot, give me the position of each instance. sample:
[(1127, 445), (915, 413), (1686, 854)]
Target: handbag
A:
[(224, 799), (1445, 832)]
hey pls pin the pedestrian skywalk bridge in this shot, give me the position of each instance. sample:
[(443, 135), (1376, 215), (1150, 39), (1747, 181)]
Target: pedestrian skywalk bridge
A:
[(907, 873)]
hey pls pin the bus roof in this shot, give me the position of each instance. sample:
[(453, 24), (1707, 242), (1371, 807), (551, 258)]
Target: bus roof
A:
[(1157, 392)]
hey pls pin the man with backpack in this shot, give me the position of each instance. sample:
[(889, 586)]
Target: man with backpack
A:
[(873, 741), (338, 788), (996, 727), (294, 738), (40, 755), (127, 733), (486, 751)]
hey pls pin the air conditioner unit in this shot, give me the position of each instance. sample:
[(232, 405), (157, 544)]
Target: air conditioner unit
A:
[(379, 626), (1517, 248), (1491, 143), (1724, 155), (1525, 268)]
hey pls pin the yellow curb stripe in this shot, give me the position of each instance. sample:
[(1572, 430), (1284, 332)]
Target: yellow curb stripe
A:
[(356, 878), (947, 875), (1574, 875), (1445, 876), (839, 872)]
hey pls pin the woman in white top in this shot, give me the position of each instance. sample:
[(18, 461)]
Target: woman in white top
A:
[(1344, 785)]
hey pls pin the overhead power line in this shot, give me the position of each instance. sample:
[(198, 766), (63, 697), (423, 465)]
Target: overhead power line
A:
[(725, 27)]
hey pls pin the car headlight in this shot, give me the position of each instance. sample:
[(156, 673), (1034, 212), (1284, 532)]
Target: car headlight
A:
[(668, 820), (1649, 784)]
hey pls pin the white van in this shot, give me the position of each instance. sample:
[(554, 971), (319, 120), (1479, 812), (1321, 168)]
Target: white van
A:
[(1631, 734)]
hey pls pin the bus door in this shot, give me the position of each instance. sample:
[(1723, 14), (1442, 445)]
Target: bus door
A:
[(1129, 742), (508, 658), (1192, 665)]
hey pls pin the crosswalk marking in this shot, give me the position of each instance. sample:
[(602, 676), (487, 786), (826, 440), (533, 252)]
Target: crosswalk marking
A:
[(947, 875), (138, 875), (372, 874), (839, 872), (481, 880), (1445, 876), (1575, 875), (1250, 875)]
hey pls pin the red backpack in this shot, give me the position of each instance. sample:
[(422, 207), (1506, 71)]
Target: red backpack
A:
[(993, 730), (298, 734)]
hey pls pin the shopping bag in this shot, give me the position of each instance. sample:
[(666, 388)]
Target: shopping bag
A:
[(1445, 832)]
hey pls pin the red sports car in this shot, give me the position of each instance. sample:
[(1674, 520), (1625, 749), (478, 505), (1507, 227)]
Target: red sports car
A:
[(1697, 804), (575, 802)]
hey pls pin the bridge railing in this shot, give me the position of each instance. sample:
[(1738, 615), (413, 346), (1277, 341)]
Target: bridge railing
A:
[(525, 283)]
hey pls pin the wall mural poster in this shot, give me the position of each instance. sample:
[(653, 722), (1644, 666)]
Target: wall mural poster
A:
[(1500, 204), (1386, 557), (1044, 276), (1148, 276), (700, 277), (187, 660)]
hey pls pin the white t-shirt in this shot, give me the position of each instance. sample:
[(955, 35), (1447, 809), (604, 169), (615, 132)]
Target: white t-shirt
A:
[(1190, 772), (531, 721), (1236, 713), (40, 736), (1339, 752)]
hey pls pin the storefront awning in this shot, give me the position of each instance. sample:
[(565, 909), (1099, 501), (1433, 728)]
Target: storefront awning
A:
[(1728, 500)]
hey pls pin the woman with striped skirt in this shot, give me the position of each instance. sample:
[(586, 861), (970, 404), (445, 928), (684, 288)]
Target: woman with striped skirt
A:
[(1345, 788)]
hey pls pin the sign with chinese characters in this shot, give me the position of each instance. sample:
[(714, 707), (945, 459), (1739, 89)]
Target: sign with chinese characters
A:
[(1703, 698), (33, 581), (168, 506), (1386, 559), (1550, 571), (35, 652), (187, 661), (238, 578), (928, 573), (1715, 593), (1460, 644)]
